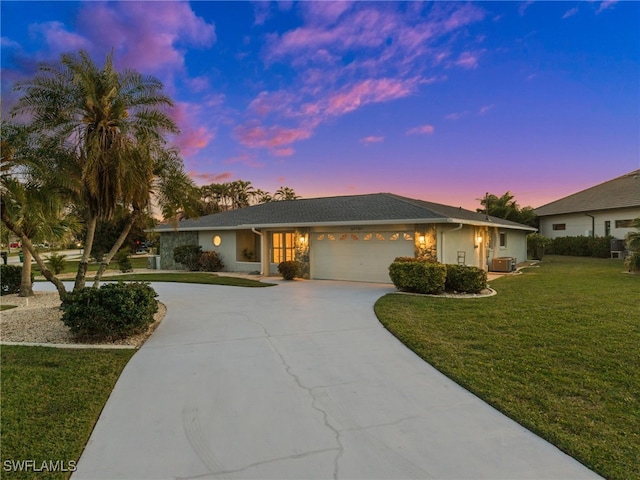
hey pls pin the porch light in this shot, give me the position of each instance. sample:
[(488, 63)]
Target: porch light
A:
[(479, 239), (421, 239), (302, 239)]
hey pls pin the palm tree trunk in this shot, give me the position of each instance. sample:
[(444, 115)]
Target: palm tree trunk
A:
[(84, 261), (26, 287), (26, 242), (116, 246)]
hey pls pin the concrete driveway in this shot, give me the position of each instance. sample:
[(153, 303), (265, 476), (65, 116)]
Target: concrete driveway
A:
[(298, 381)]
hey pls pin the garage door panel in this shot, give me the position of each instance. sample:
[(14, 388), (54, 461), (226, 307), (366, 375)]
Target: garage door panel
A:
[(358, 256)]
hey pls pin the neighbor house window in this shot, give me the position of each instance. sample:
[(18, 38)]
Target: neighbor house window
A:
[(283, 247), (607, 228), (624, 223), (503, 240), (559, 226)]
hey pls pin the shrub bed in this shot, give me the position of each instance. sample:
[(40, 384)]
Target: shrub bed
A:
[(114, 311), (418, 276), (11, 278), (465, 279), (210, 262)]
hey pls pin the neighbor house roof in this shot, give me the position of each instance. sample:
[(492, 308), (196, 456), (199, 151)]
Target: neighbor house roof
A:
[(621, 192), (377, 208)]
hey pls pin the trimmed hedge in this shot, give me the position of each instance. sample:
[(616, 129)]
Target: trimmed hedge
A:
[(581, 246), (465, 279), (289, 269), (114, 311), (210, 262), (11, 278), (418, 276), (188, 255)]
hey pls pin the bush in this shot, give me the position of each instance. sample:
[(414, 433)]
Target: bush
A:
[(210, 262), (11, 278), (418, 276), (465, 279), (536, 245), (114, 311), (123, 260), (56, 263), (289, 269), (189, 256), (581, 246)]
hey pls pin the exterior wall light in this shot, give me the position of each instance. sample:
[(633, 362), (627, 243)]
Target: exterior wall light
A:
[(217, 240), (421, 239)]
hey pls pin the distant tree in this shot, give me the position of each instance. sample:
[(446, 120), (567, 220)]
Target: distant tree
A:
[(507, 208), (285, 193)]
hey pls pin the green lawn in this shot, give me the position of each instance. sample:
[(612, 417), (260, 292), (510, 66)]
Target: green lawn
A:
[(51, 399), (190, 277), (7, 307), (72, 266), (558, 350)]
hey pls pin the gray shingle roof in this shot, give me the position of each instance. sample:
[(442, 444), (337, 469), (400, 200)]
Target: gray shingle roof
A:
[(621, 192), (377, 208)]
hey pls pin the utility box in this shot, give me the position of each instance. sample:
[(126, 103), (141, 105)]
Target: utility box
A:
[(153, 262), (502, 264)]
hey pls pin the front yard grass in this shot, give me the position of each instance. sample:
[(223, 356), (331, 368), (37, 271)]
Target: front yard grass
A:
[(51, 399), (189, 277), (557, 350)]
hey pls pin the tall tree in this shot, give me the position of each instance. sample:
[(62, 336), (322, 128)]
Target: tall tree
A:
[(506, 207), (285, 193), (114, 122)]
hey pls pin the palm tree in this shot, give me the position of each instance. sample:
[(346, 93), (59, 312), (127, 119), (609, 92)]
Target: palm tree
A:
[(112, 120), (32, 204), (285, 193)]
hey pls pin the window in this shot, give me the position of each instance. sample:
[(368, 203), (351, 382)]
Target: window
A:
[(607, 228), (559, 226), (503, 240), (624, 223), (283, 247)]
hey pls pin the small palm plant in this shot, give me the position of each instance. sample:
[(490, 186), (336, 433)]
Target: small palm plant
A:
[(633, 245), (56, 263)]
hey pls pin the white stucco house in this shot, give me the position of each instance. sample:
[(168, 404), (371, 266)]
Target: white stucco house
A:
[(352, 237), (605, 209)]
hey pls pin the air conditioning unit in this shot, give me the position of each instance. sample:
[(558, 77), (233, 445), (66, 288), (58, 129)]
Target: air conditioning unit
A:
[(502, 264)]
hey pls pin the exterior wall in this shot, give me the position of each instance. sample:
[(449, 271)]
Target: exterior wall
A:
[(452, 240), (578, 224), (228, 250), (516, 244), (171, 240)]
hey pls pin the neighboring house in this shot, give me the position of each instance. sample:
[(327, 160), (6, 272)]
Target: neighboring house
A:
[(606, 209), (347, 238)]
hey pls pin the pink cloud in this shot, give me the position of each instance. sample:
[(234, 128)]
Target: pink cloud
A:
[(193, 136), (605, 5), (485, 108), (275, 138), (206, 178), (570, 13), (371, 139), (283, 152), (145, 35), (369, 91), (457, 115), (421, 130), (58, 39), (467, 60)]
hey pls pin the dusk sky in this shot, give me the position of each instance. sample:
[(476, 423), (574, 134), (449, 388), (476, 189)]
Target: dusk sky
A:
[(441, 101)]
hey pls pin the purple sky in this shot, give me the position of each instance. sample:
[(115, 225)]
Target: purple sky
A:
[(441, 101)]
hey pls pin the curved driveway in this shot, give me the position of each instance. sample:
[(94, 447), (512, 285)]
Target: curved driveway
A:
[(298, 381)]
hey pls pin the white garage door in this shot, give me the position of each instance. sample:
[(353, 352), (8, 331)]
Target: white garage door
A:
[(358, 256)]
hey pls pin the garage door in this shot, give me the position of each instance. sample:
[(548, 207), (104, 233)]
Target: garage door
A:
[(358, 256)]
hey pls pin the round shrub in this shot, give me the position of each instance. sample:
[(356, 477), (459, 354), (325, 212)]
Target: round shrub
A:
[(189, 256), (465, 279), (210, 262), (418, 276), (289, 269), (114, 311), (11, 278)]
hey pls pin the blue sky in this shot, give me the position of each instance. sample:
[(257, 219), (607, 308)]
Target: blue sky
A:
[(442, 101)]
